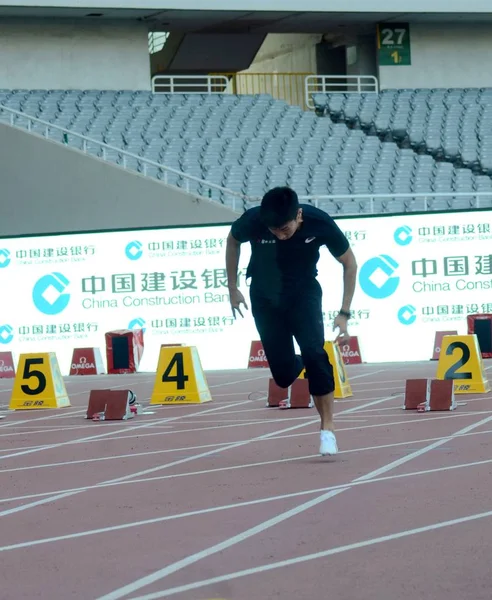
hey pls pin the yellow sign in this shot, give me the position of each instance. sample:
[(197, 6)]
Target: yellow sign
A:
[(180, 378), (342, 384), (38, 383), (460, 359)]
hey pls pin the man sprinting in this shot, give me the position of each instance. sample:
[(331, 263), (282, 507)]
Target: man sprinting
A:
[(286, 297)]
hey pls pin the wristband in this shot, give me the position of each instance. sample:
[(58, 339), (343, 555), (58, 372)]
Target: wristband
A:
[(345, 313)]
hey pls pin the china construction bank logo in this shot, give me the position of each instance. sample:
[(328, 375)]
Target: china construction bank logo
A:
[(407, 315), (377, 278), (49, 295), (4, 258), (138, 323), (6, 334), (403, 235), (133, 250)]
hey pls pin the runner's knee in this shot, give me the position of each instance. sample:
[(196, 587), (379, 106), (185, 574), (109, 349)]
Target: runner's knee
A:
[(319, 371), (285, 373)]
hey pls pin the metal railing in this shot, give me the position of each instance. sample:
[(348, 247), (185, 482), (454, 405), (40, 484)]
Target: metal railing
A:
[(294, 88), (193, 185), (381, 204), (339, 84), (191, 84)]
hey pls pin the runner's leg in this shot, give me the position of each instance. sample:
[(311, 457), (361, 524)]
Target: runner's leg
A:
[(278, 342), (306, 322)]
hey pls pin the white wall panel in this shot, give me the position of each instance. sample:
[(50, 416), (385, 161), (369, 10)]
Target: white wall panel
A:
[(44, 54)]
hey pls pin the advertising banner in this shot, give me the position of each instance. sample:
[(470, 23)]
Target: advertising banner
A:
[(418, 274)]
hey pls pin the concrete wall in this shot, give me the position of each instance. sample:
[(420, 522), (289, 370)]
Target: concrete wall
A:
[(342, 6), (362, 56), (206, 53), (48, 187), (71, 54), (444, 55), (286, 53)]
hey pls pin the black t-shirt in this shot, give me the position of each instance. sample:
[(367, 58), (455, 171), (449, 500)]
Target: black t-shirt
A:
[(280, 267)]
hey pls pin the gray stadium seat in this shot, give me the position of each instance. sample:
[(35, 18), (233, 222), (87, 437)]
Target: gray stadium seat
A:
[(249, 143)]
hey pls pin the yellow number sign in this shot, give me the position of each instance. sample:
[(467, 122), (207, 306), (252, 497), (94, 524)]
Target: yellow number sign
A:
[(180, 378), (342, 383), (38, 383), (460, 359)]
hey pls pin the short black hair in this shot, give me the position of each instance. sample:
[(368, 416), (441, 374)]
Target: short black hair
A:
[(279, 206)]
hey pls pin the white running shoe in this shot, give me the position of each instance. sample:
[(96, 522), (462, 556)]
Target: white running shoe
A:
[(328, 443)]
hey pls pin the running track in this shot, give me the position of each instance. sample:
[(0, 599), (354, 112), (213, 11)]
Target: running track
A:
[(231, 500)]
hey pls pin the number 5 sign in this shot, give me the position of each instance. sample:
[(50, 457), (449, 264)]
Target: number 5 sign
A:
[(38, 383), (180, 378)]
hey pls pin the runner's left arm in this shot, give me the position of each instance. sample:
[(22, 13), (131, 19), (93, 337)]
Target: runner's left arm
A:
[(339, 246)]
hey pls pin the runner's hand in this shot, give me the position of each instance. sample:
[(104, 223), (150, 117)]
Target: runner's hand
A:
[(342, 323), (236, 299)]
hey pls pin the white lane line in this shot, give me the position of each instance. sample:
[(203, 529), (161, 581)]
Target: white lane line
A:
[(420, 419), (228, 468), (70, 463), (108, 434), (308, 557), (213, 509), (235, 445), (386, 424), (273, 437), (73, 412), (352, 377), (68, 412), (248, 533), (421, 451), (194, 457), (137, 427), (132, 476)]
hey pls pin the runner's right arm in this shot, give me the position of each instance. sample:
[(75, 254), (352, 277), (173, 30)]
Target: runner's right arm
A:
[(240, 232)]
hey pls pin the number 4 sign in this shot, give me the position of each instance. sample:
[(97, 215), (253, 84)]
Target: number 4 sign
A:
[(180, 378), (38, 383)]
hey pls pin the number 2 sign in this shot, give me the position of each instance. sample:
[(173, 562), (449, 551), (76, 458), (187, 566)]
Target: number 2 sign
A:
[(460, 359)]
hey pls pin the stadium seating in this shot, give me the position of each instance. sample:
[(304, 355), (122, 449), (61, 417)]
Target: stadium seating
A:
[(250, 143), (451, 126)]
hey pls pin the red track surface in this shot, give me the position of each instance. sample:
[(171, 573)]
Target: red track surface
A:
[(102, 510)]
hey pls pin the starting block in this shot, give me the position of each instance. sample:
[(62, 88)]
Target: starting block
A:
[(417, 392), (425, 395), (442, 395), (342, 384), (257, 356), (7, 368), (111, 405), (460, 360), (38, 383), (295, 396), (86, 361), (188, 384)]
